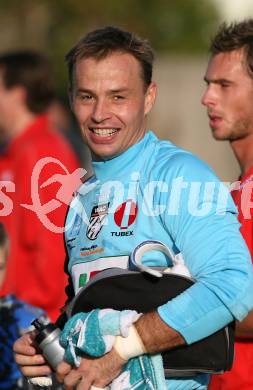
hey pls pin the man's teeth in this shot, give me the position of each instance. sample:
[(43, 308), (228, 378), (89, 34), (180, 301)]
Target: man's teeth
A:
[(104, 132)]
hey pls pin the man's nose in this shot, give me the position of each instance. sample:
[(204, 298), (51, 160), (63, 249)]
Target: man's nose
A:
[(208, 97), (101, 111)]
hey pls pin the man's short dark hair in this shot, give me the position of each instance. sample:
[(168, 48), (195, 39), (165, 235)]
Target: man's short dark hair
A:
[(102, 42), (235, 36), (31, 70)]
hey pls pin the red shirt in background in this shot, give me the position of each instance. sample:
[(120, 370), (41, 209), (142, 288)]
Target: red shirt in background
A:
[(241, 375), (35, 268)]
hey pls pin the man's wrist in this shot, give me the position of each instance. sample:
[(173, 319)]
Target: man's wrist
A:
[(130, 346)]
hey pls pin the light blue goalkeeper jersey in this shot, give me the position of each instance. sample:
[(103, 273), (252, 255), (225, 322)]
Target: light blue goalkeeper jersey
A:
[(157, 191)]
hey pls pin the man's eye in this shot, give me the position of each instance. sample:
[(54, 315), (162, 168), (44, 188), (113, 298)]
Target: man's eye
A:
[(225, 85), (118, 97), (85, 97)]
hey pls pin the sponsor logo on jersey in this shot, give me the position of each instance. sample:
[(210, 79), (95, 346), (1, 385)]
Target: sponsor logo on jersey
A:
[(126, 214), (123, 234), (97, 219), (92, 252)]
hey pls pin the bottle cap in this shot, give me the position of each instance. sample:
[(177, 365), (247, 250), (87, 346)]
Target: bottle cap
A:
[(43, 330)]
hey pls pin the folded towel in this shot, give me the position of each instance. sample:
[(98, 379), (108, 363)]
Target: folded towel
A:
[(94, 334)]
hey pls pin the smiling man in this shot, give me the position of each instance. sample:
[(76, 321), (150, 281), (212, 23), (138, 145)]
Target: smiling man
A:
[(111, 100), (228, 98), (111, 93)]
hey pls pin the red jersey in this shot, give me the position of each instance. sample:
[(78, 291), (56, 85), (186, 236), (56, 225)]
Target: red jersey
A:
[(240, 377), (35, 268)]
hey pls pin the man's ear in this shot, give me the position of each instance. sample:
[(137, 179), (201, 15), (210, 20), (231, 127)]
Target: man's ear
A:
[(150, 97)]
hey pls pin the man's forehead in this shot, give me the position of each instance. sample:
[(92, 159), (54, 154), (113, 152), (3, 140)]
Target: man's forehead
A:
[(234, 59), (227, 65), (116, 62), (118, 69)]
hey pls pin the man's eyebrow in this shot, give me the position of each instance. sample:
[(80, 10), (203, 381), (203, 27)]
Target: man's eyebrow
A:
[(111, 91), (217, 81), (120, 90), (84, 90)]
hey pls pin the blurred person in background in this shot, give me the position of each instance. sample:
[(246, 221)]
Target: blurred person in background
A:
[(228, 98), (35, 265), (15, 319)]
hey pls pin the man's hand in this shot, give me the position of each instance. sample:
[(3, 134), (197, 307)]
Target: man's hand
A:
[(30, 362), (98, 372), (156, 335)]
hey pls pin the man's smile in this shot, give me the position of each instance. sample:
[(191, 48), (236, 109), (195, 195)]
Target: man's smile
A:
[(105, 132)]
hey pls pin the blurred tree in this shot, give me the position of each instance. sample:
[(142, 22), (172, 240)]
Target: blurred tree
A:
[(182, 26)]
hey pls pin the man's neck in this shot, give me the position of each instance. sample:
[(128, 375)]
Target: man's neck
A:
[(243, 150)]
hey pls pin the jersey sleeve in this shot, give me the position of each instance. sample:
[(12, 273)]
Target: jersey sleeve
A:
[(202, 220)]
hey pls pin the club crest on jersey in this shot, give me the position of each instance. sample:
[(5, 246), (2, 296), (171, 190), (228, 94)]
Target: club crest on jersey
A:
[(97, 219)]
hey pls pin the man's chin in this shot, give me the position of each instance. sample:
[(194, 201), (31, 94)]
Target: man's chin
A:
[(220, 136), (102, 156)]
